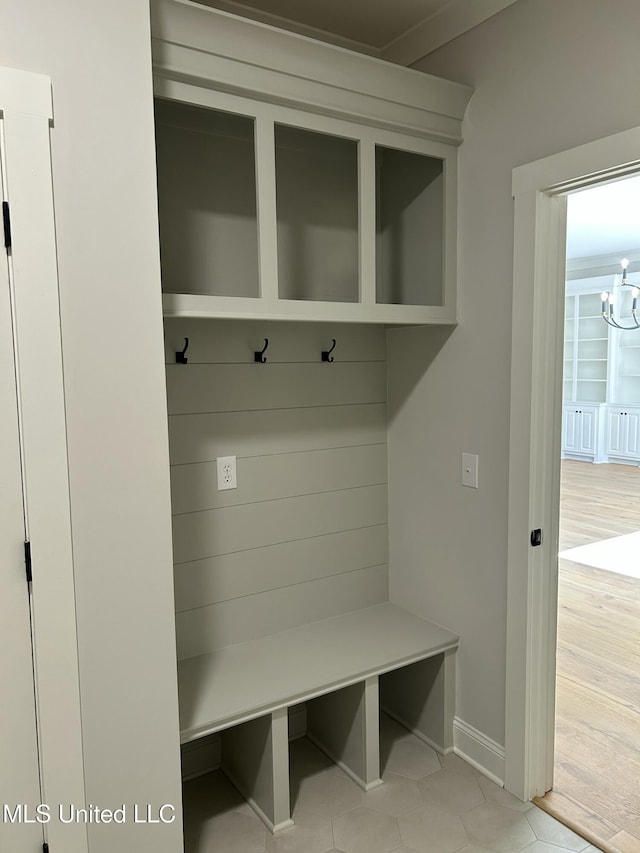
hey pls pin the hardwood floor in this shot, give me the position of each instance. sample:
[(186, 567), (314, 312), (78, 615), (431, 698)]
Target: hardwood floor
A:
[(597, 768), (597, 501)]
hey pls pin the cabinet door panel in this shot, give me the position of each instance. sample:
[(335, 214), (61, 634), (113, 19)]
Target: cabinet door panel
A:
[(570, 431), (615, 433), (587, 431), (632, 443)]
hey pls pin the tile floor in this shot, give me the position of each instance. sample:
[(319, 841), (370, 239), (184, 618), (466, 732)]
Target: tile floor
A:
[(428, 804)]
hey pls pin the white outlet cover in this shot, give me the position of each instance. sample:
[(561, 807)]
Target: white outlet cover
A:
[(226, 473)]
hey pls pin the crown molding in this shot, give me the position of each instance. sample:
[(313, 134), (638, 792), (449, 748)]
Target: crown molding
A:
[(443, 26), (251, 12), (596, 265), (217, 50)]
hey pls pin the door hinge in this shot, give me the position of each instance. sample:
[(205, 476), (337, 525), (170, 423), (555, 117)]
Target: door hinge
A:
[(27, 560), (536, 537), (6, 220)]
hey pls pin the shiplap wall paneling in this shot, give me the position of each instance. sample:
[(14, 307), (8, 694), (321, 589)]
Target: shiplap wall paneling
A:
[(271, 477), (252, 387), (304, 536), (203, 437), (201, 534), (207, 628), (205, 582)]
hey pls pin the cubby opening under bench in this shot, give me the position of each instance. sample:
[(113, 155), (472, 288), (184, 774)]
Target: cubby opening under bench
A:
[(346, 669)]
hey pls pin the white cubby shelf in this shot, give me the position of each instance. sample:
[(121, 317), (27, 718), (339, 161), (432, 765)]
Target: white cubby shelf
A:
[(345, 668)]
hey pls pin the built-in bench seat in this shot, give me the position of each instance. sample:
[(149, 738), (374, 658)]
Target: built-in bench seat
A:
[(344, 668)]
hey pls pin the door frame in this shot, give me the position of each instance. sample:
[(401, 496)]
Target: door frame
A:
[(539, 190), (26, 105)]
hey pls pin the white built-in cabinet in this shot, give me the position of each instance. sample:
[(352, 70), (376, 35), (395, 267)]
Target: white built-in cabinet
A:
[(270, 212), (296, 182), (580, 429), (333, 212), (601, 379), (623, 433), (586, 350)]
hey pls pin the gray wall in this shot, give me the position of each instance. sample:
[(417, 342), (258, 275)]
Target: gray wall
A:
[(98, 56), (304, 536), (548, 76)]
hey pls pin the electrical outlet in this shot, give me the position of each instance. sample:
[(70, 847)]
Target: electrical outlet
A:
[(227, 476), (470, 470)]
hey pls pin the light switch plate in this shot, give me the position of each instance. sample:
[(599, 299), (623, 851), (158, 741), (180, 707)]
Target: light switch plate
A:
[(470, 470)]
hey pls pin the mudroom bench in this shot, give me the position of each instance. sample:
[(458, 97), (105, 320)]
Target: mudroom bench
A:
[(345, 668)]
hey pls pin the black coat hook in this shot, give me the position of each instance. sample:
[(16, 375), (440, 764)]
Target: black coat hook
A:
[(181, 357), (326, 354), (259, 356)]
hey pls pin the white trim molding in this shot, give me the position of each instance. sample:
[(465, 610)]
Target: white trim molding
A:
[(213, 49), (539, 191), (479, 750)]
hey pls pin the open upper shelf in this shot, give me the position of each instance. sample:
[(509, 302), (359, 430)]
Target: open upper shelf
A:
[(207, 201), (272, 213), (299, 180)]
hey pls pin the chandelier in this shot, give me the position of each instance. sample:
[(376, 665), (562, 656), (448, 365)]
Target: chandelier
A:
[(608, 300)]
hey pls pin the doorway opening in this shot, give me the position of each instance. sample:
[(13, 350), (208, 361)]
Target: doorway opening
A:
[(597, 720)]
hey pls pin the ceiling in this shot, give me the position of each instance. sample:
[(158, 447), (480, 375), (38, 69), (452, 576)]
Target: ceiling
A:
[(604, 220), (401, 31)]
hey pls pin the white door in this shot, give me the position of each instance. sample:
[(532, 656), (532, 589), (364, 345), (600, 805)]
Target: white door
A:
[(19, 779), (38, 643)]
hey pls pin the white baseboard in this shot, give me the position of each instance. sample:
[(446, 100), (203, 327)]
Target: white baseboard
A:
[(479, 751)]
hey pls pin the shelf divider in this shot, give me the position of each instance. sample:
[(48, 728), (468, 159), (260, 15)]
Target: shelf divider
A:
[(267, 216), (367, 216)]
